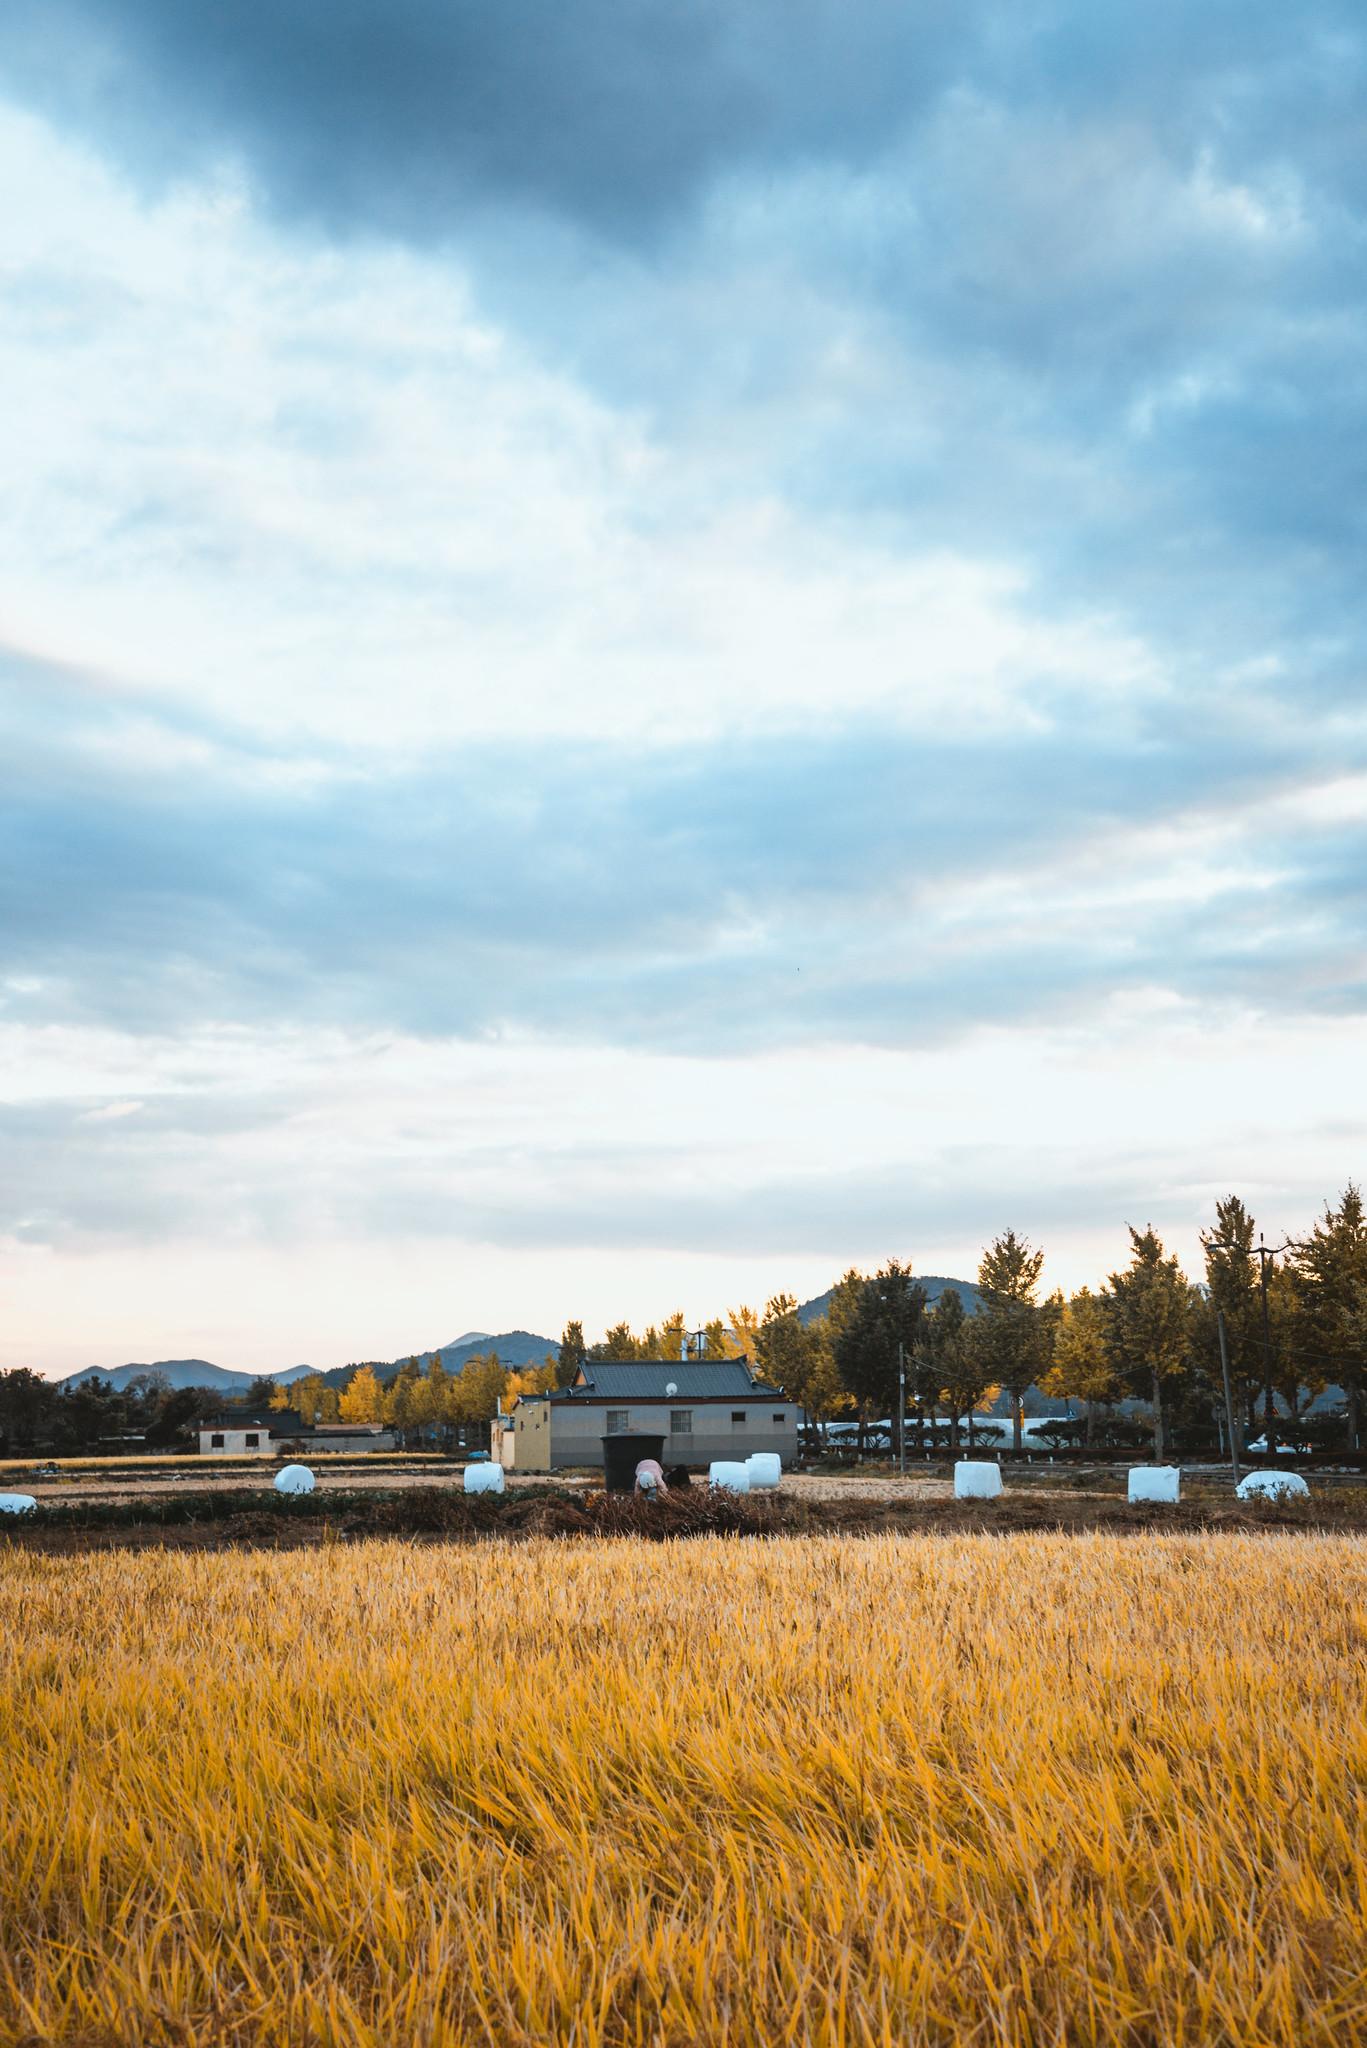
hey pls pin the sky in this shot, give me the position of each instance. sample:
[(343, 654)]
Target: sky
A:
[(650, 650)]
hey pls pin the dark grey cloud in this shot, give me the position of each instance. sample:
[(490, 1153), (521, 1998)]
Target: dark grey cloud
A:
[(402, 117), (717, 896), (1105, 269)]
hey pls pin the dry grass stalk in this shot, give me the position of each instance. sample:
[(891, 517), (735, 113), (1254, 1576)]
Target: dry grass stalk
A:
[(1018, 1790)]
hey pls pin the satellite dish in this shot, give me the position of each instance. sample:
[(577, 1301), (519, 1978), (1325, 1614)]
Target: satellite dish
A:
[(671, 1390)]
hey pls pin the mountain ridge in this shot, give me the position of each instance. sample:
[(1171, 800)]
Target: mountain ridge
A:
[(935, 1285), (516, 1348), (180, 1373)]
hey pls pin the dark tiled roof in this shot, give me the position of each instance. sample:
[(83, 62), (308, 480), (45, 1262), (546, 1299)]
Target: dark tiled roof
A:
[(347, 1429), (645, 1379), (279, 1421)]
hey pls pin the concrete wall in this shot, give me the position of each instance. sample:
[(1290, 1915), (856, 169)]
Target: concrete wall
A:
[(324, 1442), (235, 1444), (577, 1429)]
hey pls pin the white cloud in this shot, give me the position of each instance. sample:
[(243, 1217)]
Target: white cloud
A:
[(323, 1197), (955, 521), (321, 496)]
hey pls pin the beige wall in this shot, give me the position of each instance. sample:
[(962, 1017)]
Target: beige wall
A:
[(522, 1441)]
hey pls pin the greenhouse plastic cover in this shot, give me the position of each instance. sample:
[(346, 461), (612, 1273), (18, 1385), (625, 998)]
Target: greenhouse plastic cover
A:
[(1155, 1482), (484, 1478), (977, 1479), (1271, 1486), (294, 1479)]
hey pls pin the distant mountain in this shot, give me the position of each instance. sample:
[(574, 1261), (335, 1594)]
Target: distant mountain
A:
[(935, 1285), (514, 1347), (183, 1372)]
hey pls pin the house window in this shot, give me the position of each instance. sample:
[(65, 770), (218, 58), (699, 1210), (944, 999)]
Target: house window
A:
[(681, 1422), (618, 1418), (738, 1415), (780, 1418), (253, 1440), (216, 1440)]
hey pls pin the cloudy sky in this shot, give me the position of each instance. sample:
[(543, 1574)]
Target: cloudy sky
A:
[(649, 648)]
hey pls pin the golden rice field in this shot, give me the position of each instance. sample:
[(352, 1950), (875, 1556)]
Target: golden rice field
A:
[(1023, 1790)]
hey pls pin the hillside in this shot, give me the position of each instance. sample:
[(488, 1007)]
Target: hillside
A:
[(514, 1347), (182, 1372), (935, 1285)]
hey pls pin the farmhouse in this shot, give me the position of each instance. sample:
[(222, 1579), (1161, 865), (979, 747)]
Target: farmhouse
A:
[(704, 1409), (348, 1436), (257, 1432)]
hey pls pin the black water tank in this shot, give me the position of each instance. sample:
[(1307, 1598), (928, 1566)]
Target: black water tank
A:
[(623, 1453)]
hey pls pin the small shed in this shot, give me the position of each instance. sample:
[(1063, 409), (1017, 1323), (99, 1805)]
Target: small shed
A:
[(264, 1432), (248, 1432)]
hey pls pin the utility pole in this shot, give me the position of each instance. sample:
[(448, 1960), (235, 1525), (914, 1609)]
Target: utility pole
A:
[(1265, 1252), (1229, 1396), (1269, 1407), (901, 1408)]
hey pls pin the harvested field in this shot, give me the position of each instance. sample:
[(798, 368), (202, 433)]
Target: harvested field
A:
[(223, 1518), (244, 1476), (1043, 1789)]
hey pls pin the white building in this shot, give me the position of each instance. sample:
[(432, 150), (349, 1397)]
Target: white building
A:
[(266, 1432)]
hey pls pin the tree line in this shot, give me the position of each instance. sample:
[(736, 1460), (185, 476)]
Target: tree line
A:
[(96, 1419), (421, 1407), (1294, 1318)]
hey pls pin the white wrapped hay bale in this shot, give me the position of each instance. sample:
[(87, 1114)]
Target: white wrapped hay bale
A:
[(484, 1478), (1155, 1482), (731, 1478), (1272, 1486), (294, 1479), (18, 1504), (977, 1479), (765, 1469)]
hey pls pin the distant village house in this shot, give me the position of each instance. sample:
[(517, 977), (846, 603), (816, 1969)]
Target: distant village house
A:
[(260, 1432), (705, 1409)]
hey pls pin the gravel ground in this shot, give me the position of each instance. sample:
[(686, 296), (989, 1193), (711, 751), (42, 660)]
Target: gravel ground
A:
[(123, 1486), (391, 1478), (866, 1486), (1051, 1482)]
